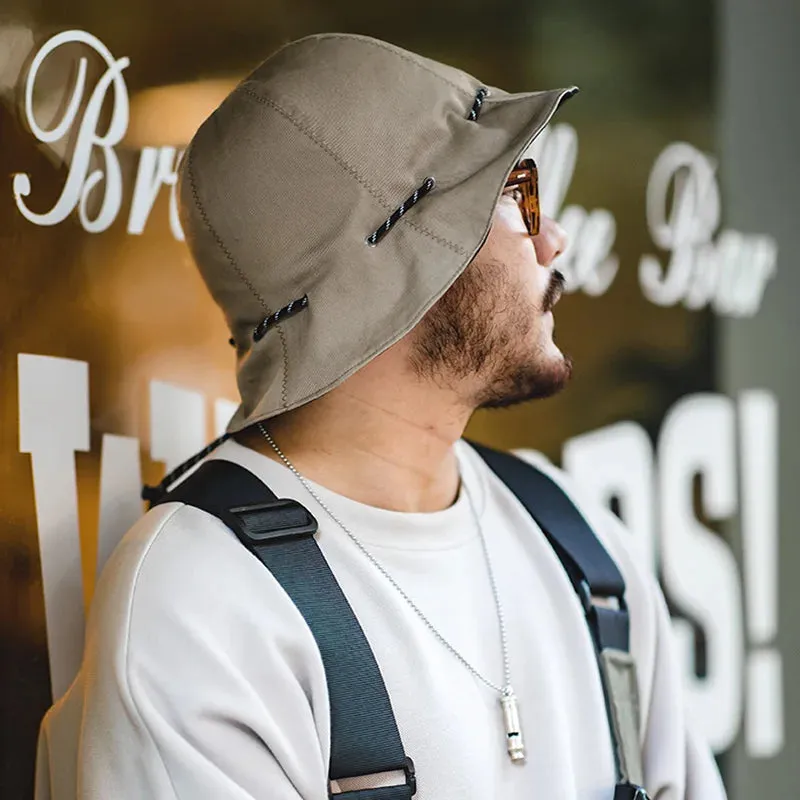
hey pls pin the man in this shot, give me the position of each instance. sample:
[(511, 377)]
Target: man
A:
[(368, 222)]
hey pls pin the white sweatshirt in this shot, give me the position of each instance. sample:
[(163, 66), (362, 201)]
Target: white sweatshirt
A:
[(201, 680)]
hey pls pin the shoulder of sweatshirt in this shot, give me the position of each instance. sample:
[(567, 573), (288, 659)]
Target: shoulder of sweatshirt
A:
[(181, 572), (198, 676)]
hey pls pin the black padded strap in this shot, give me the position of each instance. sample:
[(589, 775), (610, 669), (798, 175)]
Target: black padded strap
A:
[(558, 517), (364, 735), (591, 570)]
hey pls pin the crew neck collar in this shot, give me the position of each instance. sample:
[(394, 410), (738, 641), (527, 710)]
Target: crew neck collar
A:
[(378, 527)]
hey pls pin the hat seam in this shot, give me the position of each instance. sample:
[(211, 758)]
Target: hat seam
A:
[(391, 49), (348, 167), (239, 271), (217, 238), (285, 375), (515, 98)]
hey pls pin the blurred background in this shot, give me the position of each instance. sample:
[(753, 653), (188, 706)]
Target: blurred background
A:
[(674, 171)]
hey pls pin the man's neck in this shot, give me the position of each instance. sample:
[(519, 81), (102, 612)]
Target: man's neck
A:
[(390, 449)]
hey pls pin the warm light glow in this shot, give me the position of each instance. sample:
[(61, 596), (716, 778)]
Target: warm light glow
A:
[(169, 115)]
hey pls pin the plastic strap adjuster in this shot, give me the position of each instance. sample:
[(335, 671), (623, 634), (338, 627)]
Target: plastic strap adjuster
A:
[(275, 520), (630, 791), (411, 775), (609, 625)]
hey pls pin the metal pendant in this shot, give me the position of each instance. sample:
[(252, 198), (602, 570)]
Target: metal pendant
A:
[(516, 747)]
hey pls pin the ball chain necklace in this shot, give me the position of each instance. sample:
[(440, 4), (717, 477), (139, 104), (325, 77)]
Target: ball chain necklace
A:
[(508, 700)]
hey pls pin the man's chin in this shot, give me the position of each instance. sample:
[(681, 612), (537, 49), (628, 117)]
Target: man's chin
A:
[(529, 382)]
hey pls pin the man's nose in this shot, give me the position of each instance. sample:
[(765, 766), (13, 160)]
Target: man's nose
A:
[(550, 242)]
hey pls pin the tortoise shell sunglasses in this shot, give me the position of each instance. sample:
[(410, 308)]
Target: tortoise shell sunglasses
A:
[(524, 180)]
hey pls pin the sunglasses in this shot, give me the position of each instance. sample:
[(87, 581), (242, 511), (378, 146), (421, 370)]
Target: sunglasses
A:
[(524, 179)]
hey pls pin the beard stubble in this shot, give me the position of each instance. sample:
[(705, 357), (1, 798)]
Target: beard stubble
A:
[(482, 327)]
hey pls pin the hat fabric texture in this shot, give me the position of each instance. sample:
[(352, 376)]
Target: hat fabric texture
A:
[(309, 155)]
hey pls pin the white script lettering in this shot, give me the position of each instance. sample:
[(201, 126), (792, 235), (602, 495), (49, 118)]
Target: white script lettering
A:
[(729, 274), (157, 166)]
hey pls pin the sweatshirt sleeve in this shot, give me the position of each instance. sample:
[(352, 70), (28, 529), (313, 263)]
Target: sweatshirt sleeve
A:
[(678, 764), (200, 680)]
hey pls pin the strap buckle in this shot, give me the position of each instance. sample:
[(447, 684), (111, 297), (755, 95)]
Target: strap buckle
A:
[(393, 791), (274, 520), (612, 602), (630, 791), (411, 775)]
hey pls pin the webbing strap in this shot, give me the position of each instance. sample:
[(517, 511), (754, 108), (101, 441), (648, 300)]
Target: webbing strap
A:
[(364, 735), (562, 523), (593, 574)]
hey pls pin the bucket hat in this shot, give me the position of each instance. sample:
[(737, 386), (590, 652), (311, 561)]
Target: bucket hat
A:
[(334, 196)]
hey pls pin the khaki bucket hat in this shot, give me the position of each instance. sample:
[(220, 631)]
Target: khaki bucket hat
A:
[(334, 196)]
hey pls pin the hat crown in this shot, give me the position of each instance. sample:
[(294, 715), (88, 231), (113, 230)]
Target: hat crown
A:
[(355, 69)]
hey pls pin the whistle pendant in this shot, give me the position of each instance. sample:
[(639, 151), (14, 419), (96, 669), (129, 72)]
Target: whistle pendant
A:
[(516, 747)]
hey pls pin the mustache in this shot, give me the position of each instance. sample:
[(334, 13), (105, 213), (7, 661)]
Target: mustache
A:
[(555, 288)]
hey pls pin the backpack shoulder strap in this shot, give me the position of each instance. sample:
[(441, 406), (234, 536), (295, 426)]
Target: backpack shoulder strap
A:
[(601, 588), (280, 533), (591, 570)]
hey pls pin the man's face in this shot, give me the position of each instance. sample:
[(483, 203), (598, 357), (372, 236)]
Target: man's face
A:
[(490, 336)]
